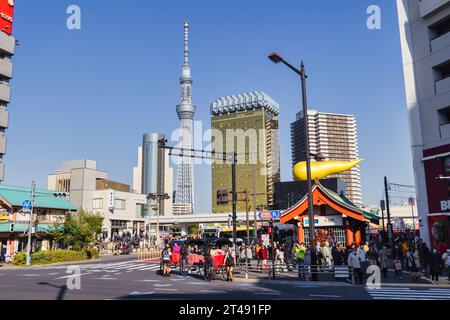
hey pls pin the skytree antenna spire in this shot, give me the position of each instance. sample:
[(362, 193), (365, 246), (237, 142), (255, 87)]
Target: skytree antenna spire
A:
[(186, 43), (184, 196)]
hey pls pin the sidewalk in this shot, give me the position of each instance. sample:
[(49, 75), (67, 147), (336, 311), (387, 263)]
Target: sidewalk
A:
[(328, 279)]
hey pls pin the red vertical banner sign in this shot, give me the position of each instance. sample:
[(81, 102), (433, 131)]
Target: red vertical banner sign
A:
[(6, 15)]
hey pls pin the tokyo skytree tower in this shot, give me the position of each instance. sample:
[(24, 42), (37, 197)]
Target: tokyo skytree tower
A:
[(184, 196)]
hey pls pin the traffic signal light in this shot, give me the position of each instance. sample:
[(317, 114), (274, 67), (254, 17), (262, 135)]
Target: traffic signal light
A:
[(222, 197), (60, 194), (11, 227)]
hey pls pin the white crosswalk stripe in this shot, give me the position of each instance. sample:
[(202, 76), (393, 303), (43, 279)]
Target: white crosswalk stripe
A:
[(390, 293), (112, 267)]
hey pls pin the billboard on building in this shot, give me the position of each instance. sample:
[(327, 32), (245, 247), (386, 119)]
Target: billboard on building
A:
[(6, 15)]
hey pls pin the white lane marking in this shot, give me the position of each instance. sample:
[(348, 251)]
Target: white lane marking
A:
[(136, 293), (162, 285), (104, 278), (212, 291), (145, 280), (267, 293), (154, 267), (73, 275), (53, 273), (29, 275), (165, 289), (200, 283), (324, 296)]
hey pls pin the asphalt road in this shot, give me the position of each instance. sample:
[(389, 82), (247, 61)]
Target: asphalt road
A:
[(128, 278)]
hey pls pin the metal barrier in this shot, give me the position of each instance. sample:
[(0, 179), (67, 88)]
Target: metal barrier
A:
[(149, 254), (273, 270)]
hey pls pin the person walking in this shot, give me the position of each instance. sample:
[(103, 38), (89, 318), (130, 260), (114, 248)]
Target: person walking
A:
[(372, 255), (424, 256), (355, 263), (383, 258), (398, 268), (413, 264), (336, 255), (263, 256), (435, 261), (362, 255), (229, 261), (301, 262), (166, 257), (446, 260)]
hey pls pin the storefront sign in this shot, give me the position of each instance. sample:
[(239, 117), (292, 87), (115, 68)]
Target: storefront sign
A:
[(4, 215), (6, 15), (265, 239), (267, 215), (325, 221), (445, 205), (111, 199)]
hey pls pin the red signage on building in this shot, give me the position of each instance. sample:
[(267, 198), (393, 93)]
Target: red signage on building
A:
[(6, 15)]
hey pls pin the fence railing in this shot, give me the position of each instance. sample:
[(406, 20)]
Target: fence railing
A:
[(149, 254), (273, 270)]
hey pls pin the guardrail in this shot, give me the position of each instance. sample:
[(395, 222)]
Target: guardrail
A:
[(149, 254), (272, 270)]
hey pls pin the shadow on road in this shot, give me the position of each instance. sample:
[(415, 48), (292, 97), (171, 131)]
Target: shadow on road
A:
[(62, 289)]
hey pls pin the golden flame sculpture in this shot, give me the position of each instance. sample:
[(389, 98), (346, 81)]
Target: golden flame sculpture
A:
[(320, 170)]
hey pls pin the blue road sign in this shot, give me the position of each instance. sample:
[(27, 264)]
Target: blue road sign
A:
[(26, 204), (275, 214)]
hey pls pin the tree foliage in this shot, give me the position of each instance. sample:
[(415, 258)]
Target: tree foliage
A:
[(79, 231)]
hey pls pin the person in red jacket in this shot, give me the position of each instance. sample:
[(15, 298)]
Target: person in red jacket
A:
[(263, 257)]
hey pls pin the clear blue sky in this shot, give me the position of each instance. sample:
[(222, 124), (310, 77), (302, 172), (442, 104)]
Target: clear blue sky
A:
[(93, 93)]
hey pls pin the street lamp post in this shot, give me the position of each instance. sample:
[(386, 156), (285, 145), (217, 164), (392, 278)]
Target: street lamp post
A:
[(274, 57), (158, 197), (30, 224)]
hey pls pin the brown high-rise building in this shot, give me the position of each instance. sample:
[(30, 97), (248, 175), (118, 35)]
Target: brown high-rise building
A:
[(248, 125)]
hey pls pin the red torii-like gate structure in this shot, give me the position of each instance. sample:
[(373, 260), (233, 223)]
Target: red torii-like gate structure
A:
[(355, 219)]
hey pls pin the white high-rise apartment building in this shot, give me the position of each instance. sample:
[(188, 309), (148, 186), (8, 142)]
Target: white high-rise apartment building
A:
[(333, 137), (425, 42), (7, 47)]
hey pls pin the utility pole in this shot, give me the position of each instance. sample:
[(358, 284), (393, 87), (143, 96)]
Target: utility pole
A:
[(255, 222), (247, 217), (30, 223), (388, 211), (411, 202), (234, 197)]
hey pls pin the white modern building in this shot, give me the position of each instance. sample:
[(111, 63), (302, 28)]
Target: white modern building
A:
[(425, 43), (7, 47), (123, 212), (78, 178), (91, 190), (334, 137)]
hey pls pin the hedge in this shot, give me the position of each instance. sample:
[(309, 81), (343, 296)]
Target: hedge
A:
[(54, 256)]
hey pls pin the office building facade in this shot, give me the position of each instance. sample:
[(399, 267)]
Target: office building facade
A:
[(7, 48), (425, 43), (79, 178), (333, 137), (248, 125)]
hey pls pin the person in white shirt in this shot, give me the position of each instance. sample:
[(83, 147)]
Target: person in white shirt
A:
[(355, 263), (362, 255)]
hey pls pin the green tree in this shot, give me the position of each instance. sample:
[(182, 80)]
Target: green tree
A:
[(79, 231), (194, 229)]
